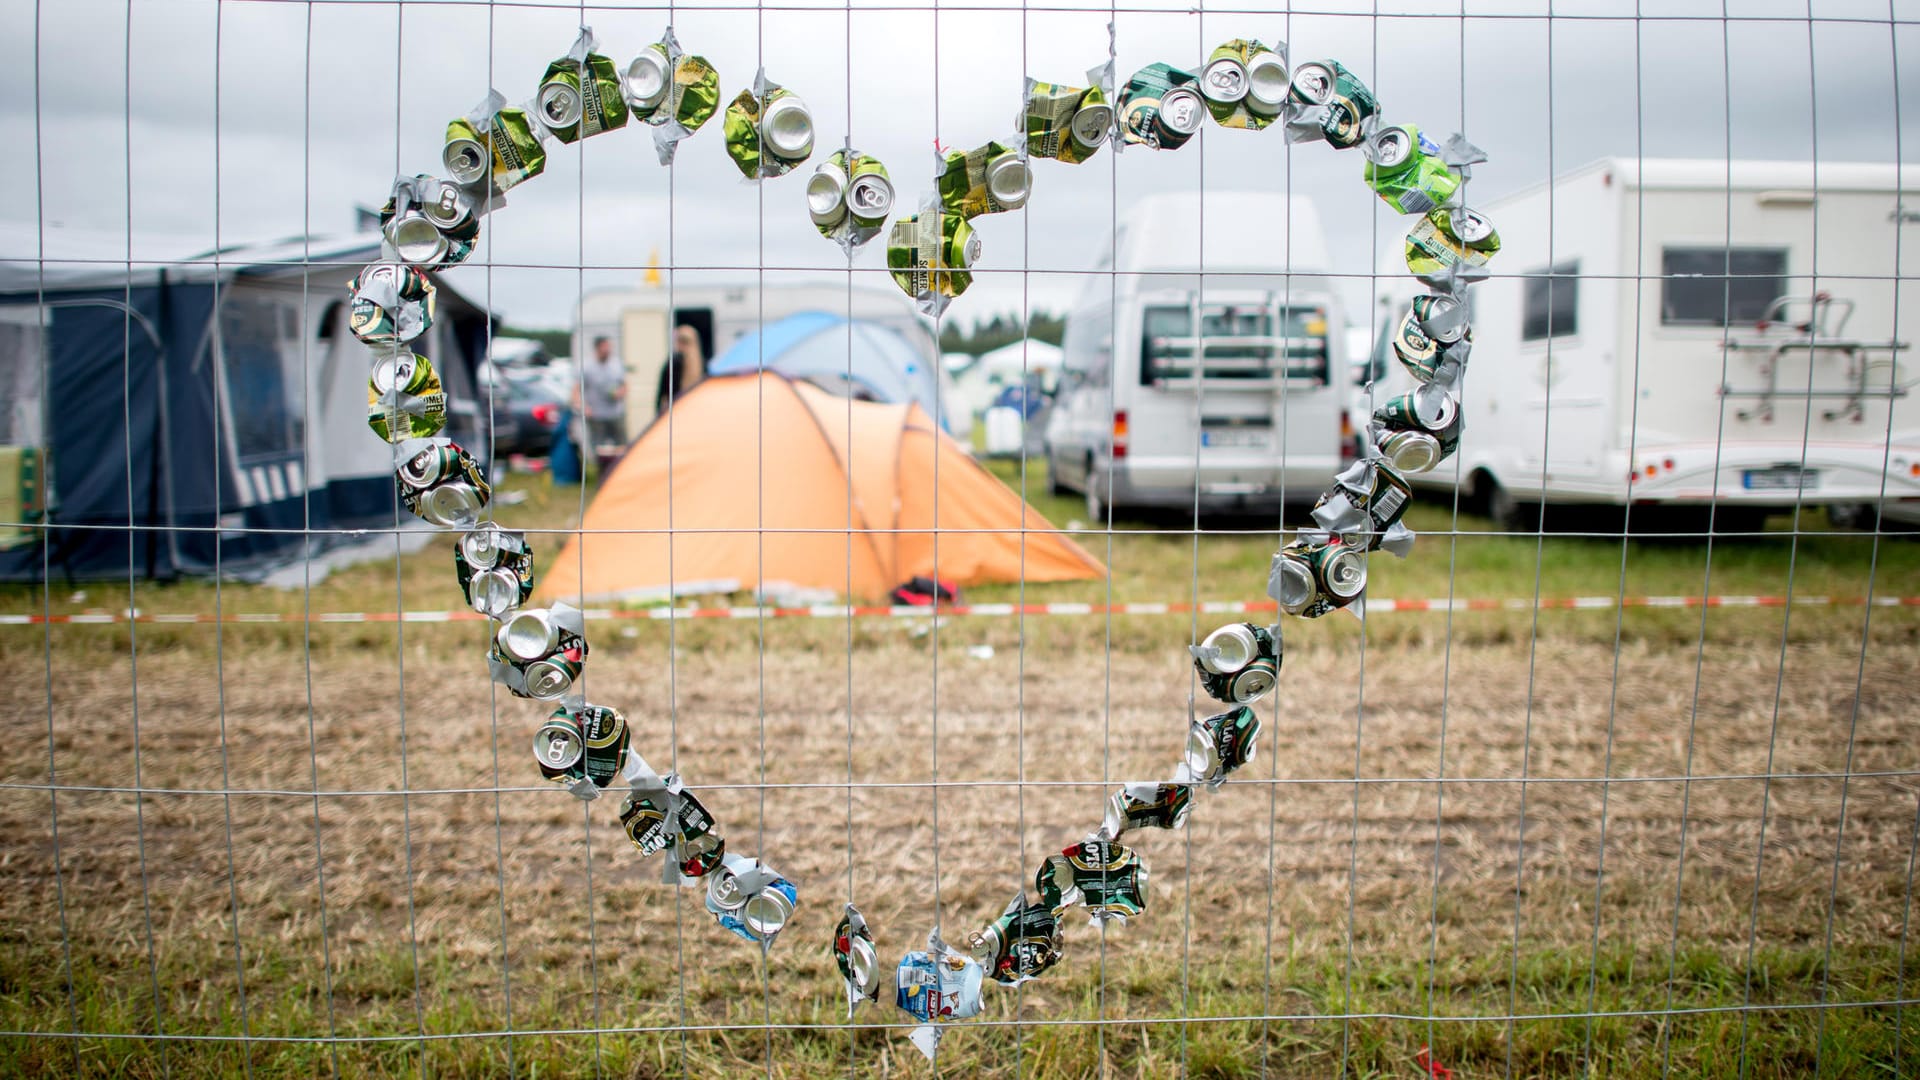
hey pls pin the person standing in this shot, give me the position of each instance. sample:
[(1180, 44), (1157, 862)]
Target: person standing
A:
[(603, 385), (684, 370)]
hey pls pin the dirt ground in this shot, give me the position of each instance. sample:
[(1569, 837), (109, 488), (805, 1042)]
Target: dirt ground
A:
[(927, 792)]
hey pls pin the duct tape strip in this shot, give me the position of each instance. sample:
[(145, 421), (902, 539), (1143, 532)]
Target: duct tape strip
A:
[(1375, 606)]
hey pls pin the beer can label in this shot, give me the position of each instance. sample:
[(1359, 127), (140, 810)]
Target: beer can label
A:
[(1230, 109), (1141, 122), (921, 250), (1148, 806), (1104, 875), (967, 190), (1419, 185), (415, 410), (601, 105), (1020, 945), (1349, 110), (508, 138), (456, 494), (1066, 123), (857, 957), (1433, 247), (745, 142), (935, 986)]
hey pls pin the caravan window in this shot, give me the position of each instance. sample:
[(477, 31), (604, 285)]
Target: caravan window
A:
[(22, 399), (1716, 286), (1550, 302), (263, 356)]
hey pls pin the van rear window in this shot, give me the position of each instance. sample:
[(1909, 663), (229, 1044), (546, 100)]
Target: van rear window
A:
[(1236, 342)]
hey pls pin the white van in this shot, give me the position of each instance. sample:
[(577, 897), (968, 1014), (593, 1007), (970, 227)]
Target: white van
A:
[(1206, 364), (1741, 372)]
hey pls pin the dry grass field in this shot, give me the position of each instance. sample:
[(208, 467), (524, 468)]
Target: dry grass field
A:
[(1380, 879)]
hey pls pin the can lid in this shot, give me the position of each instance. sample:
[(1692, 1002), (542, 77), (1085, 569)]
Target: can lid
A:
[(1470, 227), (1092, 124), (1266, 81), (1224, 80), (870, 196), (1346, 572), (547, 679), (482, 547), (423, 469), (1434, 407), (1181, 110), (416, 238), (560, 105), (449, 208), (1202, 753), (530, 635), (787, 128), (647, 78), (1293, 585), (465, 159), (494, 592), (723, 890), (1253, 683), (557, 744), (1313, 83), (767, 911), (1009, 180), (1237, 648), (827, 194), (969, 249), (394, 372), (1411, 451), (1390, 147)]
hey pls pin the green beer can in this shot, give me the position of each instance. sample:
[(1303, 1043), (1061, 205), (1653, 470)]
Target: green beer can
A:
[(849, 194), (1246, 85), (1019, 945), (580, 95), (430, 223), (1367, 499), (929, 255), (1449, 237), (1350, 104), (441, 482), (392, 303), (1404, 168), (1419, 429), (1146, 806), (560, 748), (1239, 662), (502, 146), (1310, 578), (689, 98), (768, 133), (692, 840), (990, 179), (1066, 123), (495, 569), (1105, 875), (405, 399), (1221, 744), (1160, 107)]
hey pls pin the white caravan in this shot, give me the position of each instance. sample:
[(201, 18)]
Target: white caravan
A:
[(640, 322), (1204, 366), (1755, 366)]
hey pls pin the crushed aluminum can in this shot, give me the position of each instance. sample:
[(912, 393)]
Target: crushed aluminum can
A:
[(391, 303), (688, 98), (858, 959), (1366, 501), (1160, 107), (990, 179), (697, 848), (1220, 744), (1239, 662), (1351, 110), (607, 736), (430, 223), (1105, 875), (1019, 945), (495, 568), (1405, 169), (560, 748), (768, 129), (1245, 84), (1066, 123), (404, 398), (1450, 238), (1418, 429), (849, 197), (441, 483), (936, 985), (1161, 805), (539, 652), (580, 95), (930, 254), (495, 144), (1433, 322), (1312, 577), (750, 899)]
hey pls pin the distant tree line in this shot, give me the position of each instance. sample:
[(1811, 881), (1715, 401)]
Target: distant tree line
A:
[(990, 333), (558, 343)]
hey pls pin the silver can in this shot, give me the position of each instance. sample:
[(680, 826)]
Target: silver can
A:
[(1312, 84), (1411, 451), (529, 635), (1092, 124), (560, 105), (1236, 648), (1224, 80), (1182, 110), (415, 238), (467, 160), (827, 194), (1390, 147), (787, 127), (558, 745), (1009, 180), (647, 80), (870, 198), (1267, 83)]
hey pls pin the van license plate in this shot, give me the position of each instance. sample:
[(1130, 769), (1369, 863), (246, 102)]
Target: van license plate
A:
[(1244, 438), (1782, 478)]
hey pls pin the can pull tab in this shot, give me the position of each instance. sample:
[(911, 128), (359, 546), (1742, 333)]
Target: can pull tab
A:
[(557, 748)]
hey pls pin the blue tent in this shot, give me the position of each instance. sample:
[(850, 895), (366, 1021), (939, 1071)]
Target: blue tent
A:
[(850, 357), (207, 408)]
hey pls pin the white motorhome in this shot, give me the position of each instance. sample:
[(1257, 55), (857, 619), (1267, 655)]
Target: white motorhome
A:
[(1207, 364), (1689, 333), (640, 322)]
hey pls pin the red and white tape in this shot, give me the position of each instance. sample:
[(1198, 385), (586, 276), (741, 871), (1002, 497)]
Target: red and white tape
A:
[(1374, 606)]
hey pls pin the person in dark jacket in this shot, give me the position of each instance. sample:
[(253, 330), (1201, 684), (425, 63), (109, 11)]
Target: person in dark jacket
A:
[(683, 371)]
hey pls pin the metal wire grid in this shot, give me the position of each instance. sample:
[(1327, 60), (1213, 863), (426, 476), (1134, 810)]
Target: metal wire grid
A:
[(1432, 1018)]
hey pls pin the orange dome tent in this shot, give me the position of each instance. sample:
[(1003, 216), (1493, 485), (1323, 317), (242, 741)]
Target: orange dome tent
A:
[(764, 484)]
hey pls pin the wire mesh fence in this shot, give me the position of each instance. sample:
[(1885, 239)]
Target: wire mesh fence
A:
[(1613, 774)]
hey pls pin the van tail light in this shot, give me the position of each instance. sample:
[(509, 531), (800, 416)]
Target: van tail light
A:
[(1119, 433), (1348, 449), (546, 414)]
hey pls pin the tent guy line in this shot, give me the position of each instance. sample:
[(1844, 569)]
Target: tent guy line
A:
[(1374, 605)]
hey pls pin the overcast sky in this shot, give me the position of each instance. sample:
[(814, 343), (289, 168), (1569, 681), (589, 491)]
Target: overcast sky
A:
[(260, 119)]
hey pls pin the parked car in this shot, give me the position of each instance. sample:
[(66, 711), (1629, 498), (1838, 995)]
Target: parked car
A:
[(523, 407)]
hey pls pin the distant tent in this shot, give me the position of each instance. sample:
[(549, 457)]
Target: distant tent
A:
[(854, 358), (207, 407), (763, 484)]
